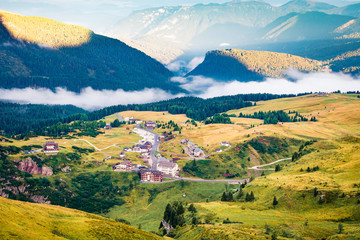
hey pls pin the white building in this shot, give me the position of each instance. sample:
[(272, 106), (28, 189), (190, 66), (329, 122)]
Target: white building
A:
[(168, 167)]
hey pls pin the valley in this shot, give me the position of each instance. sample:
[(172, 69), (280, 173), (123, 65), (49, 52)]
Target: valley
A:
[(333, 152), (181, 120)]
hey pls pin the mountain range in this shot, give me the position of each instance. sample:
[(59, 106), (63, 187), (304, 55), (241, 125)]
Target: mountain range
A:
[(234, 24)]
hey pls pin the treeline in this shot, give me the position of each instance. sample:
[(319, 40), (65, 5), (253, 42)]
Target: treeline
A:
[(273, 117), (23, 121), (218, 118), (19, 118)]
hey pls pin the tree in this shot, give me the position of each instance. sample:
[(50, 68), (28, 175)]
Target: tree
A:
[(275, 202), (192, 208), (316, 192), (252, 197), (277, 168), (167, 212), (224, 197), (194, 221), (115, 123), (341, 228), (230, 197)]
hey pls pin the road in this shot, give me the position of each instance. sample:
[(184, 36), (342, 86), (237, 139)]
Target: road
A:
[(153, 148), (230, 181), (120, 117), (259, 167)]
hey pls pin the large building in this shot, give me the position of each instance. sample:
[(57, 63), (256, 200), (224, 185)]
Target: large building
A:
[(124, 166), (168, 167), (151, 176), (51, 148), (150, 124)]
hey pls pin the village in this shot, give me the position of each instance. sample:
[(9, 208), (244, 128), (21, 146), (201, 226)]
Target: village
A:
[(155, 167)]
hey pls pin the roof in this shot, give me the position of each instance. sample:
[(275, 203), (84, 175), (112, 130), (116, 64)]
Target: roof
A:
[(126, 163), (197, 150), (166, 164), (51, 143)]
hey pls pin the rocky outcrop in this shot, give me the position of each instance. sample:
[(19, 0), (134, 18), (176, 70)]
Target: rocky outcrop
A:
[(28, 165), (66, 169)]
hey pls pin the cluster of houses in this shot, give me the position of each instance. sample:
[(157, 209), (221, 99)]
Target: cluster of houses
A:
[(192, 149)]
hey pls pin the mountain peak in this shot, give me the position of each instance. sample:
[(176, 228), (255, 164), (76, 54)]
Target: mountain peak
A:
[(308, 4)]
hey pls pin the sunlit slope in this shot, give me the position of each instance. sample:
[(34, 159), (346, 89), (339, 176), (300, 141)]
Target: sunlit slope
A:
[(42, 52), (21, 220), (45, 31), (299, 212), (337, 114), (243, 65)]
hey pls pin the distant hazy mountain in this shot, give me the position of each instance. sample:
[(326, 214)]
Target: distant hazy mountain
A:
[(350, 10), (41, 52), (241, 65), (304, 26), (236, 23), (304, 5)]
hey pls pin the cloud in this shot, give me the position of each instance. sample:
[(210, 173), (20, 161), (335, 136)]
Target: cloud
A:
[(88, 98), (182, 67), (199, 86), (194, 63), (299, 83)]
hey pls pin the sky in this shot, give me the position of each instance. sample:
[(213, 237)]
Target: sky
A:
[(100, 15)]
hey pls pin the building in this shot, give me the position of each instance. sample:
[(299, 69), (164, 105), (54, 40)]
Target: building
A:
[(150, 124), (148, 145), (144, 149), (51, 148), (218, 150), (197, 152), (122, 154), (123, 166), (167, 167), (137, 148), (127, 149), (226, 144), (108, 126), (136, 121), (150, 176)]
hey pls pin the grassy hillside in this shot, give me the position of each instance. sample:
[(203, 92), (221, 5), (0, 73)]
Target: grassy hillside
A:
[(242, 65), (22, 220), (74, 58), (299, 213)]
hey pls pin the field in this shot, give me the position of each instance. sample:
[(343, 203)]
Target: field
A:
[(21, 220)]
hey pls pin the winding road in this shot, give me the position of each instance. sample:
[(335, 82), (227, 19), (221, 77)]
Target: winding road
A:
[(259, 167)]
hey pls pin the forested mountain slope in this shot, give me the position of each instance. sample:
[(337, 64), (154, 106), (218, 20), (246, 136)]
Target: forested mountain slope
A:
[(242, 65), (74, 57)]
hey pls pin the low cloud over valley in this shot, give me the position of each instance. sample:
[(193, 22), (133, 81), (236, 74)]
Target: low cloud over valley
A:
[(91, 99)]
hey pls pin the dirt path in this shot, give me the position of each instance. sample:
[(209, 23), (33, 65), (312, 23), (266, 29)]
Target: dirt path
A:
[(259, 167), (98, 149)]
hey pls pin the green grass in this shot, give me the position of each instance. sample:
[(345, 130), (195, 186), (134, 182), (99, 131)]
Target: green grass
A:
[(20, 220), (150, 201)]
